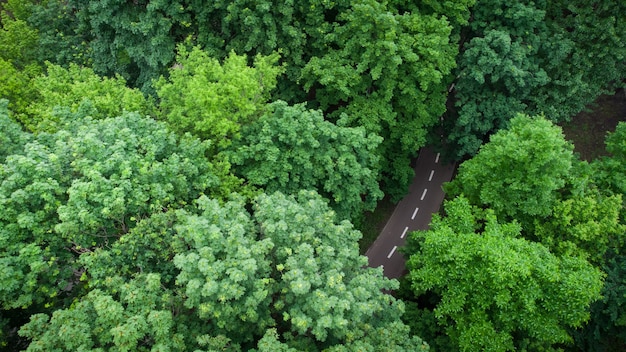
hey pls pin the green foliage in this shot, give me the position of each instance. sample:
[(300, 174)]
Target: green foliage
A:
[(63, 38), (495, 77), (16, 86), (498, 292), (301, 272), (241, 278), (12, 139), (586, 226), (606, 330), (519, 172), (384, 64), (136, 39), (212, 100), (598, 33), (131, 316), (147, 247), (385, 69), (296, 29), (18, 59), (609, 171), (547, 57), (457, 12), (323, 290), (79, 88), (18, 41), (226, 271), (290, 149), (17, 9), (271, 343), (78, 189)]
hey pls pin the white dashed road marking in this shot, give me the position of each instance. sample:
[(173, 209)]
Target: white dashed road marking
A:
[(424, 194), (392, 251)]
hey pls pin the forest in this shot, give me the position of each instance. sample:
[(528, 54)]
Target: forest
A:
[(183, 175)]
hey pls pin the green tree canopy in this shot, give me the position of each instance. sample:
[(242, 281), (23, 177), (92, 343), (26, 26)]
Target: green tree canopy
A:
[(82, 188), (286, 275), (496, 291), (291, 148), (546, 57), (609, 171), (520, 170), (18, 61), (135, 317), (13, 138), (212, 100), (606, 329), (79, 88), (587, 225), (385, 64), (385, 69)]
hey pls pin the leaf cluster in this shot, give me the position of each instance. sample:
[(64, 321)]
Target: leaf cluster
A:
[(81, 188), (212, 100), (498, 291), (240, 279), (518, 262), (290, 148), (551, 58)]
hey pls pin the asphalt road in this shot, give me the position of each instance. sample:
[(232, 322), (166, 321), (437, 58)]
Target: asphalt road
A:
[(412, 213)]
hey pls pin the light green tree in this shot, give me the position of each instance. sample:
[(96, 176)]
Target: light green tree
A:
[(302, 274), (13, 138), (587, 226), (79, 88), (18, 59), (225, 274), (519, 172), (131, 316), (497, 291), (212, 100), (286, 276)]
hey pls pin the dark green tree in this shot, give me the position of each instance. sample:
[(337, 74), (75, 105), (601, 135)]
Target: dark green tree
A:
[(291, 148), (551, 58), (385, 70), (605, 331), (609, 171), (136, 39)]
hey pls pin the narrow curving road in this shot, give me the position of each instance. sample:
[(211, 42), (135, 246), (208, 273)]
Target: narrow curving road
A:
[(412, 213)]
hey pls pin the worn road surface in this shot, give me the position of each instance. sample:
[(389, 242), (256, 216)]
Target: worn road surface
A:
[(412, 213)]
